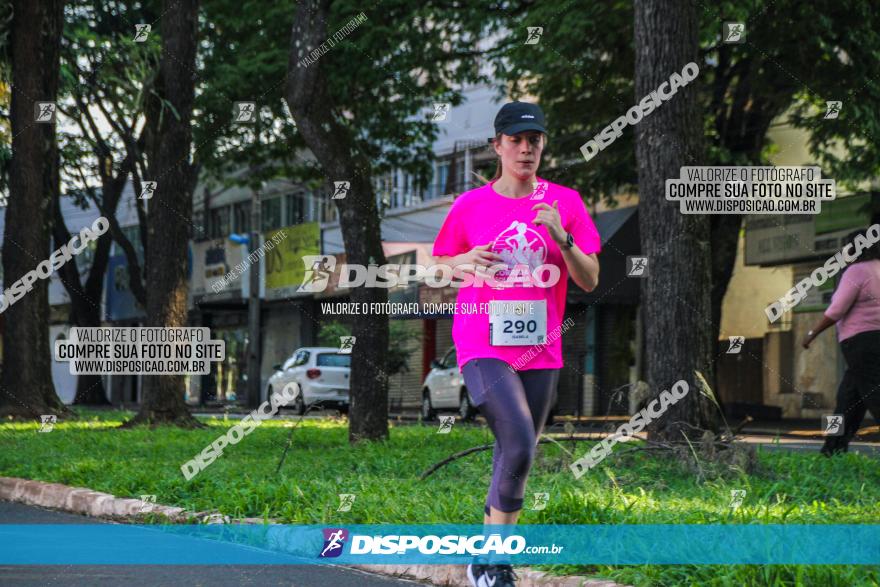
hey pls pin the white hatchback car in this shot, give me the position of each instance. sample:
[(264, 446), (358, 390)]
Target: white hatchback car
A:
[(444, 389), (321, 377)]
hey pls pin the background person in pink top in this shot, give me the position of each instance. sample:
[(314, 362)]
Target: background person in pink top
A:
[(533, 234), (855, 308)]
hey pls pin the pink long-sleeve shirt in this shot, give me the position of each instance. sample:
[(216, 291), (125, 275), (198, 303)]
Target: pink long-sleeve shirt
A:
[(855, 305)]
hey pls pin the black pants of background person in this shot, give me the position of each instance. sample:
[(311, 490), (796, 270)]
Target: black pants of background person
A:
[(859, 389)]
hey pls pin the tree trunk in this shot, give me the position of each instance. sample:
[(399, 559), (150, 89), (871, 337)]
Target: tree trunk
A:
[(85, 306), (26, 388), (331, 142), (170, 208), (85, 301), (676, 294), (725, 230)]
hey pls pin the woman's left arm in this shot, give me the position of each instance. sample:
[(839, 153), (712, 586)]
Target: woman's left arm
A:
[(823, 323), (842, 302), (584, 268)]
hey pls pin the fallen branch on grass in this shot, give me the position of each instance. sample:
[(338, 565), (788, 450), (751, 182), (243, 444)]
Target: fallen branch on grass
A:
[(543, 440), (702, 443), (290, 439), (710, 448)]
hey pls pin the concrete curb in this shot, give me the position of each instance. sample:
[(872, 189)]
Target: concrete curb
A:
[(96, 504), (81, 500), (456, 576)]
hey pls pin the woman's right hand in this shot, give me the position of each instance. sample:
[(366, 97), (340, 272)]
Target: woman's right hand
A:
[(474, 262), (479, 256)]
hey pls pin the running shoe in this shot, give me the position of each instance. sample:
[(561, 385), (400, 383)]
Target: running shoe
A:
[(475, 571), (834, 445), (498, 576)]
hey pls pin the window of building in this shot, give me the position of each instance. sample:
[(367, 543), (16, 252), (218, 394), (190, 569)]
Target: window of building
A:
[(422, 188), (461, 182), (409, 195), (241, 217), (313, 210), (330, 211), (294, 210), (384, 188), (220, 227), (440, 177), (271, 214), (200, 231)]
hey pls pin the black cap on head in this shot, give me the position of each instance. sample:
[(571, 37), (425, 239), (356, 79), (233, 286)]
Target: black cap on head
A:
[(515, 117)]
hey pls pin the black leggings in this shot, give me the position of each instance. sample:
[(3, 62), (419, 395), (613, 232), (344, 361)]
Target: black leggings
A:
[(859, 390), (516, 405)]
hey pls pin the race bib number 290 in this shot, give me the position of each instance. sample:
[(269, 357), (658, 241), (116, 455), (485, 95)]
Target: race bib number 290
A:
[(516, 323)]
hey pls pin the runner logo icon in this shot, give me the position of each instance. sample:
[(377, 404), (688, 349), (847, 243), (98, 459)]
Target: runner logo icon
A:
[(334, 541), (320, 268)]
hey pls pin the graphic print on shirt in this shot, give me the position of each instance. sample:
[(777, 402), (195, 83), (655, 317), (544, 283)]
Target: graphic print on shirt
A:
[(519, 244)]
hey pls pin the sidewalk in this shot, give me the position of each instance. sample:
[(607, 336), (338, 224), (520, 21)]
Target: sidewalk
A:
[(149, 575), (104, 507)]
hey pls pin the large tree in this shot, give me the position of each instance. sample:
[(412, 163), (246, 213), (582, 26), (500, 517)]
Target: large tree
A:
[(363, 108), (675, 299), (110, 81), (330, 140), (169, 144), (106, 73), (794, 58), (26, 388)]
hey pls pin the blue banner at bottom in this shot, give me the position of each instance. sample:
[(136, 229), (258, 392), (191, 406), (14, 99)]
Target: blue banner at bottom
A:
[(121, 544)]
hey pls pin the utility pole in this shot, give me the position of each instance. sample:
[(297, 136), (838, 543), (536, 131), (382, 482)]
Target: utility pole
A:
[(254, 355)]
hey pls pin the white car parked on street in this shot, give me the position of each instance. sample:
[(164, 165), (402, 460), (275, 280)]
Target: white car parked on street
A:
[(321, 377), (444, 389)]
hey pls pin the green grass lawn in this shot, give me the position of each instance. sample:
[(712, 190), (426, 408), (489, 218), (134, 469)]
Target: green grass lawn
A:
[(639, 488)]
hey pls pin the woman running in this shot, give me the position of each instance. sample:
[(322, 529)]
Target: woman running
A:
[(507, 327)]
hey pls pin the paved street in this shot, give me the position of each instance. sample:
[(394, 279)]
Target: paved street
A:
[(808, 445), (170, 575)]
